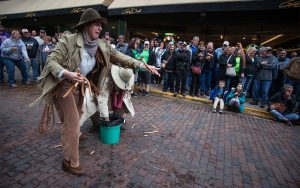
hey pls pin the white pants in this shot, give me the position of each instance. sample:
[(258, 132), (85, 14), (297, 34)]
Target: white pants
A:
[(217, 101)]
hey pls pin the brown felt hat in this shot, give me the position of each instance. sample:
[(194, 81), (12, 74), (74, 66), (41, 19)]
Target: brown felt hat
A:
[(90, 15)]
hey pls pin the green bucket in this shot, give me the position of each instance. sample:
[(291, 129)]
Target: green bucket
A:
[(110, 135)]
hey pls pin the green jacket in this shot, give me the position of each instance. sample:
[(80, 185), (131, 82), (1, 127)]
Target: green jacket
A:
[(67, 55)]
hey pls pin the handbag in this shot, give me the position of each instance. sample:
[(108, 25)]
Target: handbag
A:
[(196, 70), (230, 71), (280, 107)]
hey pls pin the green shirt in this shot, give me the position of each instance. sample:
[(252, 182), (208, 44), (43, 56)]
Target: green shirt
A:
[(135, 53), (145, 54), (237, 65)]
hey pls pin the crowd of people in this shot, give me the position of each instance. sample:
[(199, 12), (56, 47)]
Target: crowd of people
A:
[(26, 50), (227, 75), (85, 77)]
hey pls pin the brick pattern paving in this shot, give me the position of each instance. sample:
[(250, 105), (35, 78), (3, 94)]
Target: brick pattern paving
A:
[(192, 148)]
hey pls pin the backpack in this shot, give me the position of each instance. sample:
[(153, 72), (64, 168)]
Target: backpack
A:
[(292, 71)]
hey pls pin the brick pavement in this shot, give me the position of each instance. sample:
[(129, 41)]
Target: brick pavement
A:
[(193, 148)]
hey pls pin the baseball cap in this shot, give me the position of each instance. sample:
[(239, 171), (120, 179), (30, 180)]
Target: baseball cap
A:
[(179, 42), (25, 31), (146, 42), (42, 31), (261, 49), (226, 43)]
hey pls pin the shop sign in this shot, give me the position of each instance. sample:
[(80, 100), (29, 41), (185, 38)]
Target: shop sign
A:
[(30, 14), (131, 11), (290, 4), (77, 10)]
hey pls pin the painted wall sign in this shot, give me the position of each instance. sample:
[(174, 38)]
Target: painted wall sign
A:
[(290, 4), (30, 14), (131, 11), (77, 10)]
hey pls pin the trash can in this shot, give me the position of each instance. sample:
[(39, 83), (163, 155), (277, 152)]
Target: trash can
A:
[(109, 132)]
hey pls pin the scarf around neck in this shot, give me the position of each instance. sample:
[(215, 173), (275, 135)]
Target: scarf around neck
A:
[(90, 45)]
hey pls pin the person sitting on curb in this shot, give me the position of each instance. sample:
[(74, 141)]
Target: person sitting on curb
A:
[(282, 105), (216, 95), (236, 98)]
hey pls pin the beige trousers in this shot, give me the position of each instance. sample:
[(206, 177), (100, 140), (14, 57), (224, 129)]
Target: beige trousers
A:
[(69, 111)]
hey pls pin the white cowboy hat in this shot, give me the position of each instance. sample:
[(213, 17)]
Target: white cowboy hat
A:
[(123, 77)]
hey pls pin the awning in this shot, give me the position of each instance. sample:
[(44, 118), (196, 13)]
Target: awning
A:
[(129, 7), (35, 8)]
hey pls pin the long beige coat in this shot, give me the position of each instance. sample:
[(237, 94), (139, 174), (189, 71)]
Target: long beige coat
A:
[(67, 55)]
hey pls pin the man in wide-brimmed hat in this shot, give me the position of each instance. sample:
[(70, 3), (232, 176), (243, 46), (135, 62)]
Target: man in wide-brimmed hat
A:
[(78, 61), (119, 84), (115, 96)]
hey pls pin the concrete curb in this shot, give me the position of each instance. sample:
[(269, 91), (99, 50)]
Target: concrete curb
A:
[(250, 111)]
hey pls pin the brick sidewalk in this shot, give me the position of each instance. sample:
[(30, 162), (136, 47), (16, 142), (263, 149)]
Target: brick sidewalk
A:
[(193, 148)]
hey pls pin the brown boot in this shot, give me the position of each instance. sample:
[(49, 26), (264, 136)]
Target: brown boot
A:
[(76, 171)]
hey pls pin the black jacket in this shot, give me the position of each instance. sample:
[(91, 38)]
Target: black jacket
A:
[(250, 68), (35, 46), (130, 53), (183, 59), (223, 64), (279, 98), (197, 62), (170, 66), (152, 58), (209, 65)]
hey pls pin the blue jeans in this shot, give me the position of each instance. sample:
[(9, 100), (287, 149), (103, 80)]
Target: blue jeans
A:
[(35, 68), (205, 80), (215, 76), (1, 70), (168, 81), (261, 90), (10, 66), (247, 81), (188, 79), (228, 80), (282, 116)]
